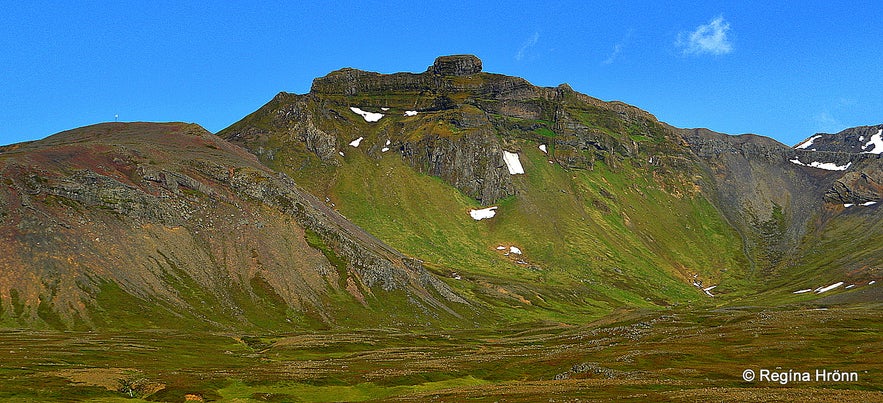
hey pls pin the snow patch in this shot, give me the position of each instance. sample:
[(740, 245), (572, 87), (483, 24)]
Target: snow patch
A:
[(707, 290), (384, 149), (807, 143), (828, 166), (356, 142), (514, 250), (384, 109), (513, 163), (829, 288), (872, 282), (877, 141), (341, 153), (803, 291), (848, 205), (410, 113), (850, 286), (543, 148), (369, 116), (501, 247), (861, 138), (481, 214), (871, 203)]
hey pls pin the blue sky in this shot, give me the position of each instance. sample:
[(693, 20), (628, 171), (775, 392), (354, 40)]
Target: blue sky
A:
[(784, 70)]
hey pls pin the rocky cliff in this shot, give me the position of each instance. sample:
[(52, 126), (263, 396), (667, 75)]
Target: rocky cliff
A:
[(452, 121)]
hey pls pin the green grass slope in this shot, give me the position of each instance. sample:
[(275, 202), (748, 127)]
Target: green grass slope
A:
[(592, 240)]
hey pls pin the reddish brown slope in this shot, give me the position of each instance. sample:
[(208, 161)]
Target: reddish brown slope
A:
[(166, 225)]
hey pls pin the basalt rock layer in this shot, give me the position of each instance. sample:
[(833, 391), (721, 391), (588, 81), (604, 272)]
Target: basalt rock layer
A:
[(451, 121)]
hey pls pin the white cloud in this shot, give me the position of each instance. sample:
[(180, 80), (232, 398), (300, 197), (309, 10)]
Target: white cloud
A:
[(710, 38), (617, 48), (529, 43)]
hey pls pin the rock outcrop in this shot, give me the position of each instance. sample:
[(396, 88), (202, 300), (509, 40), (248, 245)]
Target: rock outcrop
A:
[(856, 188), (457, 65)]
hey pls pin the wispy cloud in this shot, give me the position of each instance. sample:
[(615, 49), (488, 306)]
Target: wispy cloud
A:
[(617, 49), (709, 38), (529, 43), (825, 122)]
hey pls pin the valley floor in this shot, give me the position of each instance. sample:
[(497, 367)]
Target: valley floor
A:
[(674, 355)]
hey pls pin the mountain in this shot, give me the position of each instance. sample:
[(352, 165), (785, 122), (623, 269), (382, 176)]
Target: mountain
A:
[(448, 198), (614, 208), (165, 225)]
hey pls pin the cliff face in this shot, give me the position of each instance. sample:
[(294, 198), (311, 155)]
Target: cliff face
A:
[(452, 121), (102, 221)]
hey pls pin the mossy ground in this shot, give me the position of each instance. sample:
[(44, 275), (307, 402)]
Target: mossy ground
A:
[(636, 355)]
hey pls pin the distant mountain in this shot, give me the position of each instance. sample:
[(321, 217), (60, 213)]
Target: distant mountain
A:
[(447, 198)]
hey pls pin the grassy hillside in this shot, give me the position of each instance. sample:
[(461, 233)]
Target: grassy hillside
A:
[(592, 240)]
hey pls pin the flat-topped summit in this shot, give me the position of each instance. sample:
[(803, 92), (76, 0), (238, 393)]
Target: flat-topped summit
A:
[(455, 65)]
